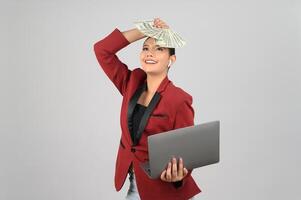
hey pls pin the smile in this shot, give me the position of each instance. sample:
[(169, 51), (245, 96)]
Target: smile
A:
[(150, 62)]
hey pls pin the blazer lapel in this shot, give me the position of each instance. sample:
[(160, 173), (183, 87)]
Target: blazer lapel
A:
[(132, 105), (154, 101), (146, 115)]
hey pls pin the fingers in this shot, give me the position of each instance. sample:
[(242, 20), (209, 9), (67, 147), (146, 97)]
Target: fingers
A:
[(160, 23), (163, 174), (185, 172), (180, 170), (168, 173), (174, 174), (174, 171)]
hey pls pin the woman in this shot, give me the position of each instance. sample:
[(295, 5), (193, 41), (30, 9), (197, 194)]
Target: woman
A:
[(151, 104)]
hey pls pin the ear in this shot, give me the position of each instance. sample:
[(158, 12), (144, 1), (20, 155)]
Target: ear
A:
[(172, 59)]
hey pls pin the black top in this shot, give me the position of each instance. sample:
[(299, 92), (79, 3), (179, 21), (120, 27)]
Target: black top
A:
[(137, 115)]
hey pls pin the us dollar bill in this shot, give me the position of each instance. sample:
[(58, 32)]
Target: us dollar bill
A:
[(165, 37)]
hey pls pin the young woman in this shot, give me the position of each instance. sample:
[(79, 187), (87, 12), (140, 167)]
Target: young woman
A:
[(151, 104)]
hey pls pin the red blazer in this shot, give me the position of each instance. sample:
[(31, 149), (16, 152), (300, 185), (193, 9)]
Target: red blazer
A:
[(170, 108)]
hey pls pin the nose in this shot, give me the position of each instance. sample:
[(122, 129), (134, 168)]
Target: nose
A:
[(149, 53)]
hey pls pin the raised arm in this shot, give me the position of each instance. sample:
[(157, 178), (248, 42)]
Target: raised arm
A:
[(133, 35), (105, 51)]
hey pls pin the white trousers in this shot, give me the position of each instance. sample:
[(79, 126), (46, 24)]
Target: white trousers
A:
[(132, 193)]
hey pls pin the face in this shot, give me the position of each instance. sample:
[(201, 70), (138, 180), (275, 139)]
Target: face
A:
[(154, 59)]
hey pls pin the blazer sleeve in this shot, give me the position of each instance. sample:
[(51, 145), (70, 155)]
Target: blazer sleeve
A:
[(105, 51), (184, 117)]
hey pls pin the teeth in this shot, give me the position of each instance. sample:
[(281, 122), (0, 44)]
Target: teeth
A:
[(150, 61)]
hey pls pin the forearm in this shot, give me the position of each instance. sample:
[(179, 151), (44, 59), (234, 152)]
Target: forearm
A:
[(133, 35)]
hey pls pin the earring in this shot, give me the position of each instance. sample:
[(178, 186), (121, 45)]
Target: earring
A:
[(169, 63)]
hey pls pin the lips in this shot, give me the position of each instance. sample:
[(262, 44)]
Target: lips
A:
[(150, 61)]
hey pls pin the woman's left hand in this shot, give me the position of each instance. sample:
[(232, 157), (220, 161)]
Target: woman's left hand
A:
[(174, 172)]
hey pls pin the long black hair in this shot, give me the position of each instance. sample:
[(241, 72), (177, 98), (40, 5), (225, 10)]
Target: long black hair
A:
[(172, 51)]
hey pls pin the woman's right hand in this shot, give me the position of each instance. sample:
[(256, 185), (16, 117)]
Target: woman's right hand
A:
[(158, 23)]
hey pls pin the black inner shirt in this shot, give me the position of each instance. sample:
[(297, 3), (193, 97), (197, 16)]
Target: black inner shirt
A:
[(137, 115)]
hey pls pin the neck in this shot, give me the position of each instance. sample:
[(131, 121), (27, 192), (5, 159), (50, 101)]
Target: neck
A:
[(153, 82)]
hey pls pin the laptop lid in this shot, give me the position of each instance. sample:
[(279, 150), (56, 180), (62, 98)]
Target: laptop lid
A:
[(198, 145)]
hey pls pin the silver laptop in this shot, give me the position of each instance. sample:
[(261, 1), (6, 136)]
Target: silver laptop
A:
[(198, 145)]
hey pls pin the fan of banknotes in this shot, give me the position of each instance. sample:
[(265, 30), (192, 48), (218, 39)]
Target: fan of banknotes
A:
[(164, 37)]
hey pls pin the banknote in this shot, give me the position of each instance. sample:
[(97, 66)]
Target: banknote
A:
[(165, 37)]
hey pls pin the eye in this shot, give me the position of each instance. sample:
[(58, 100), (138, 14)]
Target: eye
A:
[(145, 48), (160, 48)]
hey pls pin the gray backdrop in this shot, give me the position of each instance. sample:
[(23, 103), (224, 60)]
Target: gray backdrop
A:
[(59, 113)]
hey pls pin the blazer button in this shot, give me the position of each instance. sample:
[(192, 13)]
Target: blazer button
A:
[(133, 150)]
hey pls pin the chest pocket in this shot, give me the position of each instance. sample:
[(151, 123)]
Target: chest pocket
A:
[(157, 123)]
